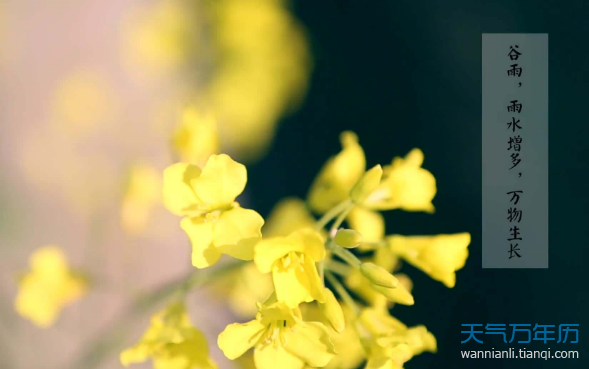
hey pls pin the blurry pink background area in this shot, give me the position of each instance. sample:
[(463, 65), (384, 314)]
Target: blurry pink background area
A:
[(62, 179)]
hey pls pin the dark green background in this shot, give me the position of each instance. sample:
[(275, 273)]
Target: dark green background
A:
[(405, 74)]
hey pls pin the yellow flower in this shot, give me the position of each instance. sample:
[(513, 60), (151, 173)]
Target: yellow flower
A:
[(391, 342), (289, 215), (386, 357), (291, 260), (262, 71), (246, 286), (142, 193), (82, 101), (332, 311), (401, 185), (195, 138), (281, 339), (339, 175), (48, 287), (243, 288), (213, 221), (350, 352), (171, 342), (439, 256), (160, 38), (405, 185)]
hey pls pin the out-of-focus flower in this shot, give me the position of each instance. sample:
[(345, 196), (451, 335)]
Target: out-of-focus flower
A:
[(280, 338), (142, 193), (291, 260), (48, 287), (243, 288), (83, 101), (196, 137), (289, 215), (388, 331), (262, 70), (162, 37), (213, 221), (439, 256), (171, 342)]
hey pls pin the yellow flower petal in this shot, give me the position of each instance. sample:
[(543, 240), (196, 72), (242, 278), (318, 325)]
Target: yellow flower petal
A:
[(369, 223), (237, 338), (312, 241), (296, 284), (270, 357), (405, 185), (310, 343), (288, 216), (179, 197), (200, 232), (338, 175), (136, 354), (332, 310), (237, 231), (306, 241), (439, 256), (48, 287), (221, 181), (196, 137)]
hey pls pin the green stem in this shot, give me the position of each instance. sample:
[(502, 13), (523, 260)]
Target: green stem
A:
[(340, 219), (338, 268), (341, 291), (334, 212), (344, 254), (112, 338)]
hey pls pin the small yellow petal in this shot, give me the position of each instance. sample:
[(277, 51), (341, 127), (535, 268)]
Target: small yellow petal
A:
[(298, 283), (439, 256), (338, 175), (369, 223), (288, 216), (221, 181), (332, 310), (178, 195), (237, 338), (237, 231), (200, 232), (270, 357), (311, 344)]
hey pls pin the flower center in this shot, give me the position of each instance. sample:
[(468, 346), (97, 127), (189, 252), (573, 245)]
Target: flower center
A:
[(275, 333), (213, 216), (293, 260)]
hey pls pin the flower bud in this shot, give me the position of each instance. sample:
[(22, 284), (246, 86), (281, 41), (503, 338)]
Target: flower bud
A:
[(332, 310), (348, 238), (398, 295), (378, 275), (366, 185)]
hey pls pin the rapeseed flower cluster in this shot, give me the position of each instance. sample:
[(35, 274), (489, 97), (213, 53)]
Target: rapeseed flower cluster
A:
[(305, 268), (295, 273)]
